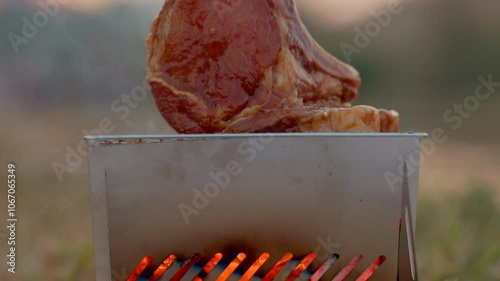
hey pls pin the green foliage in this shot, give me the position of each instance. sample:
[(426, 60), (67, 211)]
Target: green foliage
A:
[(458, 237)]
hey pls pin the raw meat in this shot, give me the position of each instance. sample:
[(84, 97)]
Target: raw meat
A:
[(245, 66)]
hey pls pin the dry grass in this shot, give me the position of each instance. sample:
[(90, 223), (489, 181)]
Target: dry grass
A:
[(458, 237)]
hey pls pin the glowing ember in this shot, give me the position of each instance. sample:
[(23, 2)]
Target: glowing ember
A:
[(255, 266), (371, 270), (208, 267), (301, 267), (347, 270), (185, 267), (231, 267), (162, 268), (138, 271), (252, 270), (324, 268), (278, 267)]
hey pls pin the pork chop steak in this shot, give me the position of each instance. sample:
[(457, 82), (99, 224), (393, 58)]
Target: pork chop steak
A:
[(245, 66)]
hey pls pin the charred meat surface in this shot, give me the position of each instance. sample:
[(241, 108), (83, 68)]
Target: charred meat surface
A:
[(238, 66)]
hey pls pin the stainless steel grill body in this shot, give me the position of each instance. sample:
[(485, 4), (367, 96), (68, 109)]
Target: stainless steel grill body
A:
[(273, 193)]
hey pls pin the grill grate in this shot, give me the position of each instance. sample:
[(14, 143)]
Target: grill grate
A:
[(188, 264)]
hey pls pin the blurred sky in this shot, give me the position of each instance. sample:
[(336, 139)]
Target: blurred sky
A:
[(347, 11), (95, 5)]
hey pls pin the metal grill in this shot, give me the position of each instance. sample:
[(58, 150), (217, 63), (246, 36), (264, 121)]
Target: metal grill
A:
[(255, 207)]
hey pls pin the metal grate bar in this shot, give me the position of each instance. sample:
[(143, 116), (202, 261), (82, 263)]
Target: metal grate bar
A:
[(301, 267), (371, 270), (278, 267), (140, 268), (324, 268), (163, 268), (231, 267), (255, 266), (252, 270), (185, 267), (348, 268), (208, 267)]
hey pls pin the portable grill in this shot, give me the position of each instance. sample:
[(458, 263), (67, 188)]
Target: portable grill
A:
[(255, 207)]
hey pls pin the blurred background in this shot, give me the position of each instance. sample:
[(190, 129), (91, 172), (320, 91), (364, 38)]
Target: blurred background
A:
[(61, 77)]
